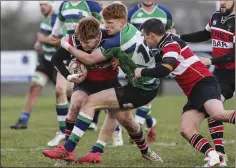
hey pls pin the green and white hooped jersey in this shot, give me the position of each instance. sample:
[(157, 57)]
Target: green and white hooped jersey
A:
[(137, 15), (46, 29), (128, 46), (70, 13)]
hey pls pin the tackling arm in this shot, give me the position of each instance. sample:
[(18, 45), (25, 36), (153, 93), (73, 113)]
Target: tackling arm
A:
[(57, 60), (199, 36), (88, 59), (161, 70)]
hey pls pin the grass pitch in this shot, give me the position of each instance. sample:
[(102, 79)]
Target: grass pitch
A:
[(23, 148)]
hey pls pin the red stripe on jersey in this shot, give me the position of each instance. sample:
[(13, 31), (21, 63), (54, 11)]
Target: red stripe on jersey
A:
[(171, 47), (100, 75), (186, 52), (193, 74), (222, 35), (222, 43)]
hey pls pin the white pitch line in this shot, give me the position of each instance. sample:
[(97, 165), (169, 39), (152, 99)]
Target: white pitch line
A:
[(109, 146)]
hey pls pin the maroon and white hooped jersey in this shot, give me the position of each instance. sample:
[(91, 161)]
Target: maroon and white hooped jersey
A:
[(222, 30), (188, 69)]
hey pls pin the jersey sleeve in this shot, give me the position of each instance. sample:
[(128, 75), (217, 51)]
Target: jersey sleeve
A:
[(111, 47), (169, 23), (171, 50), (131, 12), (53, 22), (59, 15), (208, 26), (95, 9)]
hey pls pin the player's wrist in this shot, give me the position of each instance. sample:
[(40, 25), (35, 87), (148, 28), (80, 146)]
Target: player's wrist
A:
[(66, 45)]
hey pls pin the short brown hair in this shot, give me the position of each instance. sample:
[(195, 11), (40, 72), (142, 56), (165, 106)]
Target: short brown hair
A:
[(88, 28), (114, 11)]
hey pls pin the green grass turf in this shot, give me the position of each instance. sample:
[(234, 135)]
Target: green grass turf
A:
[(24, 148)]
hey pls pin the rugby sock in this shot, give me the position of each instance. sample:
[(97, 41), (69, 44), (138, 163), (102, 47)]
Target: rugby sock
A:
[(216, 129), (232, 118), (201, 144), (118, 128), (95, 118), (141, 114), (81, 125), (149, 121), (25, 117), (62, 111), (98, 147), (140, 141), (69, 127)]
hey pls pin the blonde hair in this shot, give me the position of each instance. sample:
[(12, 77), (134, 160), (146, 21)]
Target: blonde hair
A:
[(115, 11)]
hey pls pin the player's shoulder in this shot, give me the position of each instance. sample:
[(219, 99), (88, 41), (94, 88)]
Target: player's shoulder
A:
[(173, 41), (94, 6), (133, 9), (62, 6), (216, 15), (109, 42), (165, 9), (53, 19)]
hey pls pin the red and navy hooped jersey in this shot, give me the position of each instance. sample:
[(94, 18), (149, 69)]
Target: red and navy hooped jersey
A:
[(99, 72), (222, 30), (188, 69)]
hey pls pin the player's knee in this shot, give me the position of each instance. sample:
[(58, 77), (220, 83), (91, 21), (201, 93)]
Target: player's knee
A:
[(75, 108), (35, 87), (130, 125), (59, 91), (218, 115), (187, 132), (89, 103)]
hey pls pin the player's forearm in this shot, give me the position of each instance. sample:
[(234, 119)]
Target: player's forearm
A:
[(57, 61), (87, 59), (230, 57), (199, 36), (159, 71), (48, 41)]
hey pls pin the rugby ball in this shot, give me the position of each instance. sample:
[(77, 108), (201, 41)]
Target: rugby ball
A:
[(76, 67)]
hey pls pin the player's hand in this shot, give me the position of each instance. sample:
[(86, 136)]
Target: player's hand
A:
[(205, 61), (64, 42), (137, 73), (76, 78), (41, 37), (115, 63), (54, 40), (37, 47)]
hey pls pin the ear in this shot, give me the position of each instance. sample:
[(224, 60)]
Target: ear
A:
[(152, 35), (123, 22)]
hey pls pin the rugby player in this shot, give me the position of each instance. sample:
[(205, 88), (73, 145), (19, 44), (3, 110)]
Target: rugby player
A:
[(70, 12), (196, 81), (45, 70), (137, 15), (118, 100), (100, 76), (221, 30)]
